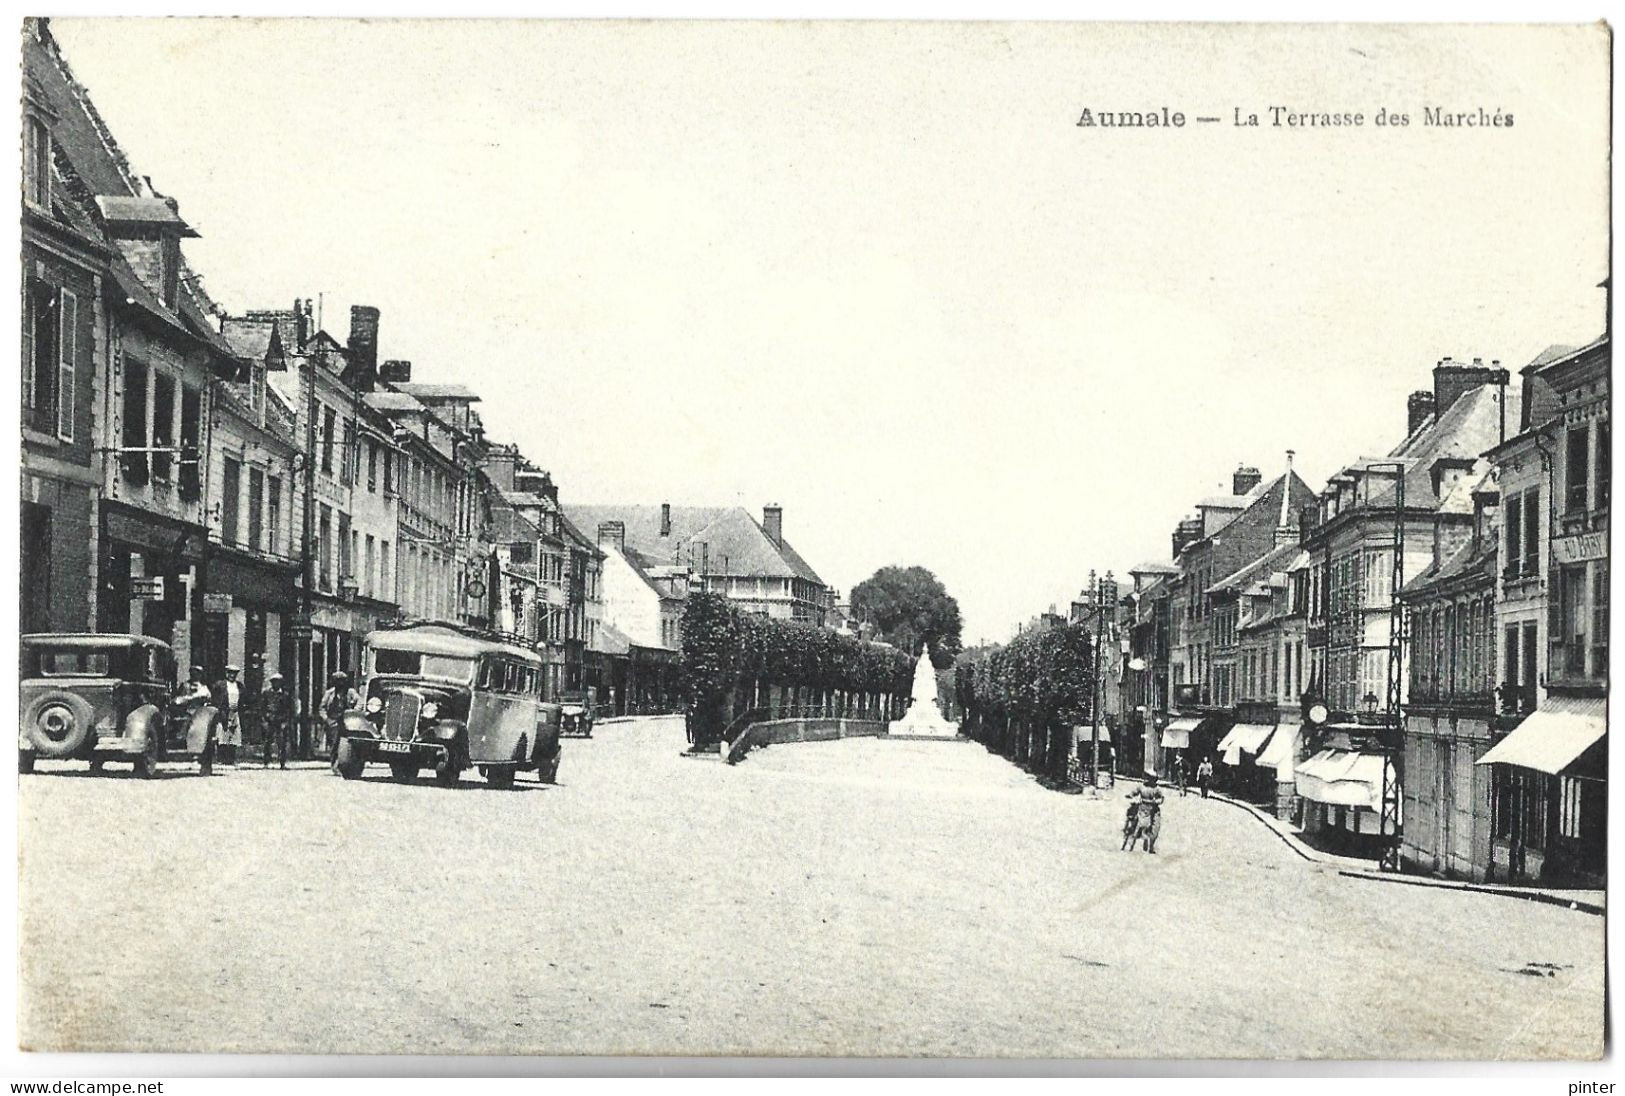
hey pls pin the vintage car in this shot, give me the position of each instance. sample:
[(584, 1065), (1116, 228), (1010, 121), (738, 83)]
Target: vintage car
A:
[(576, 713), (99, 698), (441, 697)]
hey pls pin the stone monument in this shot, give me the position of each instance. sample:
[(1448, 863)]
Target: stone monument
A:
[(923, 718)]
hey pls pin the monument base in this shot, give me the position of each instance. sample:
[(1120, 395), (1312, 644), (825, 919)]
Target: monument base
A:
[(923, 721)]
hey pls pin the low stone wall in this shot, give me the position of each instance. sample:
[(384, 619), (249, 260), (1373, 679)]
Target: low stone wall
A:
[(801, 730)]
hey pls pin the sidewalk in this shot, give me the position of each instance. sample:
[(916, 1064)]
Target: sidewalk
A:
[(1584, 901)]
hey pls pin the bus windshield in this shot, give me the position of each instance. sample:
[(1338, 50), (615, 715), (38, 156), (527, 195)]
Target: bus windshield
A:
[(460, 670)]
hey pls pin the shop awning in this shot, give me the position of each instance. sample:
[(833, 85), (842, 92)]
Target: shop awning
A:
[(1280, 751), (1177, 735), (1085, 735), (1553, 737), (1243, 738), (1342, 778)]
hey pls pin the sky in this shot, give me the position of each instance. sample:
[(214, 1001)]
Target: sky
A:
[(875, 273)]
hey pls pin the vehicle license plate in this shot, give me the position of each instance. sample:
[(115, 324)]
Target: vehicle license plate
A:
[(394, 747)]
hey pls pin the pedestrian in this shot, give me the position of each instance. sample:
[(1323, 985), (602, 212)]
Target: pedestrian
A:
[(276, 717), (338, 699), (1179, 773), (227, 695), (1204, 775), (1144, 821)]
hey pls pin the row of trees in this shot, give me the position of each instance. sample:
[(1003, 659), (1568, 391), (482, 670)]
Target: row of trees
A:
[(734, 662), (1022, 700)]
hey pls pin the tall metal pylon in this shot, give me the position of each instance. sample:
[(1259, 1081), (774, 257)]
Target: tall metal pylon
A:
[(1392, 736)]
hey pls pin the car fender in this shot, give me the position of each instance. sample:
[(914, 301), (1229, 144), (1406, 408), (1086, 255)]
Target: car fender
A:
[(200, 726), (143, 725), (357, 724)]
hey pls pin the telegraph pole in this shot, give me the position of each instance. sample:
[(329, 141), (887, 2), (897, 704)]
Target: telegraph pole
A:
[(302, 630)]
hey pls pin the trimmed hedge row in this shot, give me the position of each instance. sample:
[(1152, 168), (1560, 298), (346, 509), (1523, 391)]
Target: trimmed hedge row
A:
[(735, 662), (1022, 699)]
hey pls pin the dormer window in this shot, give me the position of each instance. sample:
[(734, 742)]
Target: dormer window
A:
[(37, 162)]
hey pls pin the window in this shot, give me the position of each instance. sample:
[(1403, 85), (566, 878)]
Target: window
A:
[(273, 515), (324, 551), (163, 426), (1599, 619), (1513, 556), (1568, 815), (1531, 532), (389, 470), (37, 163), (230, 475), (366, 567), (134, 431), (1577, 468), (1604, 471), (69, 336), (328, 420), (191, 480), (346, 559), (1528, 678), (386, 591), (256, 509), (347, 457), (1572, 620), (372, 465)]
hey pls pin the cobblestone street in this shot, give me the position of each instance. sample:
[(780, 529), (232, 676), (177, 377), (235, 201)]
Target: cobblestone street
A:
[(862, 897)]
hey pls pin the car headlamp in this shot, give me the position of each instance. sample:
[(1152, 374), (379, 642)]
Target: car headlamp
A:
[(375, 704), (430, 710)]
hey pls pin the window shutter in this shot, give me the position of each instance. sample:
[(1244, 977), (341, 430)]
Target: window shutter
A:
[(69, 342)]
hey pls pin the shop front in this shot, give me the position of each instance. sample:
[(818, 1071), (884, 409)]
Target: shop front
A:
[(1238, 768), (1279, 758), (1342, 790), (1549, 798), (149, 577)]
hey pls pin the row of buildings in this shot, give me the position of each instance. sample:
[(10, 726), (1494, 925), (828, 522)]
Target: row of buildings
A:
[(1412, 661), (257, 491)]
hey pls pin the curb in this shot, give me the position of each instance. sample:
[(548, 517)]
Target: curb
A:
[(1313, 856)]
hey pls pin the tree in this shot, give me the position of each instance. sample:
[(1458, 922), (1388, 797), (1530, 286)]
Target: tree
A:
[(909, 605)]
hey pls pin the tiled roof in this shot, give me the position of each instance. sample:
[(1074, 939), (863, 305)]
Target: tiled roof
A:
[(253, 341), (1468, 427), (1259, 570), (736, 543), (1468, 560), (393, 401)]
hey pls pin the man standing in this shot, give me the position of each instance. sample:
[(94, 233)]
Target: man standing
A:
[(276, 716), (228, 698), (1179, 771), (1204, 775), (338, 699)]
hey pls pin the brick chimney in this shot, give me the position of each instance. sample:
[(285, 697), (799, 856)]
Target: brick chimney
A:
[(612, 533), (1244, 480), (1452, 380), (363, 345), (773, 522), (500, 463), (665, 519), (1418, 408)]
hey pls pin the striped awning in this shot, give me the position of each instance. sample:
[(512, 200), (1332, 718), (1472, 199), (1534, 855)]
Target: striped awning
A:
[(1552, 737), (1243, 738), (1280, 752), (1177, 735), (1342, 778)]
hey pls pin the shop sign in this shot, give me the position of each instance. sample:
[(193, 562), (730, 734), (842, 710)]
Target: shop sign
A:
[(147, 589), (1580, 547), (217, 603)]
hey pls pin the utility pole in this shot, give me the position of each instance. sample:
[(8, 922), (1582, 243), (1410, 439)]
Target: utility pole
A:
[(303, 686)]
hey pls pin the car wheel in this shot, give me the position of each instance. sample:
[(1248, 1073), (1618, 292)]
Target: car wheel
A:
[(95, 765), (57, 723), (345, 761), (403, 772), (548, 773), (499, 776), (25, 763), (447, 776)]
